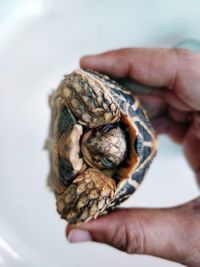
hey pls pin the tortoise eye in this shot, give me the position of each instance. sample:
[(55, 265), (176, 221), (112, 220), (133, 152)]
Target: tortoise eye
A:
[(107, 163)]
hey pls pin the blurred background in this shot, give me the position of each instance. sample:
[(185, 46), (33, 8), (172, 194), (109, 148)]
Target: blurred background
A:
[(40, 41)]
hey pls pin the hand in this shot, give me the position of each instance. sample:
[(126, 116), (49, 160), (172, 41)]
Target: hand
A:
[(174, 107)]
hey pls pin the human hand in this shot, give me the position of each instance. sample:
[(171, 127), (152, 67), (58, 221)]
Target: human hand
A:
[(174, 109)]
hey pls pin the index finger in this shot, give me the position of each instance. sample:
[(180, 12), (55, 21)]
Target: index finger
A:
[(174, 69), (153, 67)]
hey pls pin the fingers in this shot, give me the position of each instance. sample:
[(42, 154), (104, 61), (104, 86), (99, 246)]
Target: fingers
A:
[(165, 125), (174, 101), (173, 234), (175, 69), (191, 147), (156, 67), (179, 116), (166, 119), (154, 106)]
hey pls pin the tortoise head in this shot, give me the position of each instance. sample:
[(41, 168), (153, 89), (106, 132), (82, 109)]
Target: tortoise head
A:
[(104, 147)]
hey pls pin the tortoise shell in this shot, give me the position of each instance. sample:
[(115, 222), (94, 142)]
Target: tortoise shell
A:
[(100, 143)]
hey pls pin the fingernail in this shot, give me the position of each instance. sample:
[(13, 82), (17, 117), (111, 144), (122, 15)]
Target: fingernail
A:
[(78, 235)]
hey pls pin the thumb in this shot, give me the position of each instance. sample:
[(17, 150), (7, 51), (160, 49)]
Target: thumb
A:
[(172, 233)]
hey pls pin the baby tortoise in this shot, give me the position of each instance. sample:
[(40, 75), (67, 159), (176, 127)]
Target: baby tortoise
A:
[(100, 144)]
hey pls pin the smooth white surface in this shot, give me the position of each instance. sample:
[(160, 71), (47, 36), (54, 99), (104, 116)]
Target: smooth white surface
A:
[(39, 42)]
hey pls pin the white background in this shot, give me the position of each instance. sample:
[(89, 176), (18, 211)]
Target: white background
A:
[(40, 41)]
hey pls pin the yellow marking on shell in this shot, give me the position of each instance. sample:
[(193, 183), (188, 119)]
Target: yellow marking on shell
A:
[(82, 202), (75, 103), (105, 106), (60, 206), (97, 92), (153, 152), (120, 185), (78, 179), (85, 98), (112, 194), (91, 82), (95, 120), (101, 203), (93, 209), (84, 215), (66, 91), (154, 143), (105, 191), (77, 87), (107, 116), (112, 106), (134, 183), (71, 214), (81, 188), (150, 131), (68, 198), (86, 117), (136, 104), (93, 194), (99, 100), (146, 143)]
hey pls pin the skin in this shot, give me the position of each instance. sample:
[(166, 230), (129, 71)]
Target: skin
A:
[(173, 105)]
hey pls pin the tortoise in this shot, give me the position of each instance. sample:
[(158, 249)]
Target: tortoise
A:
[(100, 144)]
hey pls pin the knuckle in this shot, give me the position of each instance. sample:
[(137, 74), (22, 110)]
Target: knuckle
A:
[(182, 52), (186, 56), (135, 241), (196, 207), (128, 237)]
